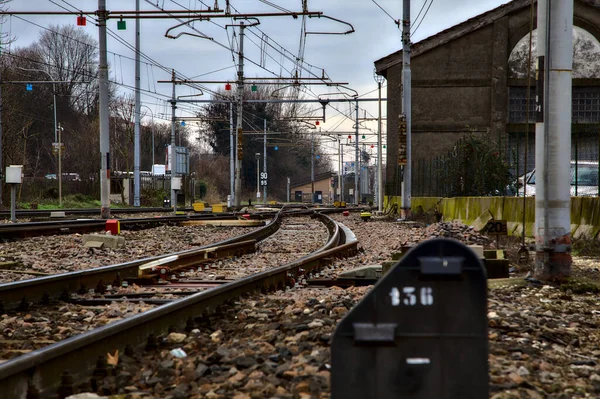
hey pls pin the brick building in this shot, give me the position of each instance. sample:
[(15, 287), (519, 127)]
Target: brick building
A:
[(472, 78)]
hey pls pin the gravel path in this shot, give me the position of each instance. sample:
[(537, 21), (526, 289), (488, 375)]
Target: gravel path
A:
[(65, 253), (543, 341), (29, 330)]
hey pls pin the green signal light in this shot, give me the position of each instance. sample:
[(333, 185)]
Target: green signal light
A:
[(121, 25)]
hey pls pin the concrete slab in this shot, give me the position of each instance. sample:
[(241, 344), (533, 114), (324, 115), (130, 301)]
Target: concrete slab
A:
[(480, 223), (478, 249), (94, 244), (57, 214), (370, 271), (108, 241)]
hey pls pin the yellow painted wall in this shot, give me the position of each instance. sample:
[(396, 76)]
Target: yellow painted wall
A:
[(585, 211)]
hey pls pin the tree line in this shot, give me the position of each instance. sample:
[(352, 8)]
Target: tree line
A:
[(68, 55)]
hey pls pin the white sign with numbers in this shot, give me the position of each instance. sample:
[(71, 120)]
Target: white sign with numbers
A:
[(408, 296), (263, 178)]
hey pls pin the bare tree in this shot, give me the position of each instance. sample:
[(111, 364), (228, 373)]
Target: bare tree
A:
[(69, 54)]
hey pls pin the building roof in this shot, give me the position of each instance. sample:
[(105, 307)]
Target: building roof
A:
[(306, 180), (456, 31)]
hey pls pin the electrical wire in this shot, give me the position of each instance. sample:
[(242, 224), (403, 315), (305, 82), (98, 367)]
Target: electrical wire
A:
[(386, 13), (422, 19)]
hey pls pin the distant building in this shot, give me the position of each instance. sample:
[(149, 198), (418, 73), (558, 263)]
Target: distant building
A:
[(472, 78), (324, 189)]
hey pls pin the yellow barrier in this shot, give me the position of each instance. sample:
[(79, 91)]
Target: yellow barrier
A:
[(585, 212), (198, 206), (219, 208)]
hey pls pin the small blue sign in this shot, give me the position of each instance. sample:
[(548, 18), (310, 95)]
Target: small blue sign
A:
[(29, 87), (182, 123), (318, 157), (276, 148)]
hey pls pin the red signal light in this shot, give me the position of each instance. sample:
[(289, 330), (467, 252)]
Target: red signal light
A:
[(81, 21), (227, 86), (317, 123)]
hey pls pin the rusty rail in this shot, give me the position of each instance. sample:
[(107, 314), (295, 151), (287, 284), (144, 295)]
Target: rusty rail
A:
[(42, 370)]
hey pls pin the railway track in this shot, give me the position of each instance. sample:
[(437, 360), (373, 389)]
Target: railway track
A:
[(42, 370), (10, 232), (41, 213)]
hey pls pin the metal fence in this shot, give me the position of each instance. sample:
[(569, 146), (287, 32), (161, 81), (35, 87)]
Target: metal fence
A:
[(456, 174), (38, 188)]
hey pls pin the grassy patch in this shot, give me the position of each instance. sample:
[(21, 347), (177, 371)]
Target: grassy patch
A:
[(580, 286), (586, 247), (75, 201), (506, 282)]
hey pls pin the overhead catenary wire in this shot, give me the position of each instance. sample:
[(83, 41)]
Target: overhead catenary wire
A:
[(397, 22), (422, 19)]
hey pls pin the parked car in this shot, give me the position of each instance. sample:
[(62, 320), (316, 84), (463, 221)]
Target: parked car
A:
[(65, 176), (586, 184)]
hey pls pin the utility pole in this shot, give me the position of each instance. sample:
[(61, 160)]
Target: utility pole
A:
[(257, 177), (342, 160), (265, 164), (60, 129), (173, 154), (312, 168), (136, 134), (104, 117), (341, 165), (379, 79), (240, 105), (231, 156), (356, 159), (1, 159), (406, 107), (553, 140)]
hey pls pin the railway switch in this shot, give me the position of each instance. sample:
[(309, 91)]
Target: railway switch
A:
[(420, 333)]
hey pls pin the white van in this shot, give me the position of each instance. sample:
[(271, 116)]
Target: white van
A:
[(586, 184)]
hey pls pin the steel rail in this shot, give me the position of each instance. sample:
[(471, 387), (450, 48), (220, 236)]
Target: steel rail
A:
[(55, 286), (40, 371), (9, 231)]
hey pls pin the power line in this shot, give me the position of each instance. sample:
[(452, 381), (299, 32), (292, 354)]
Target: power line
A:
[(396, 21), (422, 19)]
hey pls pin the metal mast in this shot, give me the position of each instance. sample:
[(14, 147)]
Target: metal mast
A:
[(406, 106), (265, 163), (356, 158), (136, 134), (104, 117), (553, 140), (231, 156), (171, 161), (240, 105)]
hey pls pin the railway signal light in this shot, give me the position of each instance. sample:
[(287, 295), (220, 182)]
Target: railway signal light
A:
[(121, 25), (227, 86), (254, 87), (363, 136), (317, 123), (81, 21)]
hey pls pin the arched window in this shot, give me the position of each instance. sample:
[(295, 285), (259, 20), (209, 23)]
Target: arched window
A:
[(586, 65)]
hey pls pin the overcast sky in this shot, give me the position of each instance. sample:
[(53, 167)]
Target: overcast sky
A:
[(345, 58)]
